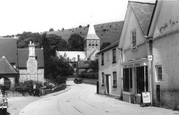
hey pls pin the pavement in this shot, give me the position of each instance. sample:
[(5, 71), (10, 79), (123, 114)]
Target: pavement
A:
[(18, 102)]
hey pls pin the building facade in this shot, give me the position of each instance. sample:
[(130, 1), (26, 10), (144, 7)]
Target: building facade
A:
[(134, 51), (31, 64), (110, 82), (164, 37)]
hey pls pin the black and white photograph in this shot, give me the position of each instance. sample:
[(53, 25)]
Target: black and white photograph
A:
[(89, 57)]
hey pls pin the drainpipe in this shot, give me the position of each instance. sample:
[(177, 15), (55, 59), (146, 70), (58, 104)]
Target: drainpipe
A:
[(151, 76)]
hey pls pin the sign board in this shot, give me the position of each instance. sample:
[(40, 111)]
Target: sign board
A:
[(146, 97), (150, 57)]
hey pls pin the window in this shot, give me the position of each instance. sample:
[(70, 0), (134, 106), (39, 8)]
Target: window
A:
[(96, 44), (114, 55), (142, 79), (89, 44), (114, 80), (102, 79), (107, 56), (134, 42), (159, 73), (127, 79), (102, 59)]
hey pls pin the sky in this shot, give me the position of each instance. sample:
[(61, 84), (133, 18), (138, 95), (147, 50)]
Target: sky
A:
[(18, 16)]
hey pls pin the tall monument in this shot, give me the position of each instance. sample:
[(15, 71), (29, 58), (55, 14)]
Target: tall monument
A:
[(32, 70)]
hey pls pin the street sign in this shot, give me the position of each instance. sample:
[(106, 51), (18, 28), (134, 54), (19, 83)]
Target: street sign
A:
[(150, 57)]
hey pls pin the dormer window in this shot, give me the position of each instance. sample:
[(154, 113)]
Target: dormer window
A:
[(133, 39)]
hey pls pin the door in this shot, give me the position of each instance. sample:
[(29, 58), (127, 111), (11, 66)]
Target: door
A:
[(108, 83)]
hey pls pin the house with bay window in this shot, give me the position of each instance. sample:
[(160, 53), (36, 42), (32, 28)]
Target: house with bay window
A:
[(109, 71), (134, 51), (164, 37)]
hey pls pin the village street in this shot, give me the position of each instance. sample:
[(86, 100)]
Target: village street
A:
[(81, 99)]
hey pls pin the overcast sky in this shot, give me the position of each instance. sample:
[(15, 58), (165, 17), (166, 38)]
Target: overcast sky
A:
[(41, 15)]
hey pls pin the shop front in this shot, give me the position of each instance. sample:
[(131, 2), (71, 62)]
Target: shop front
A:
[(135, 80)]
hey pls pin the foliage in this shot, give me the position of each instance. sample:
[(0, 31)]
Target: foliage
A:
[(51, 29), (27, 87), (26, 37), (90, 75), (104, 45), (94, 65), (76, 43), (55, 66)]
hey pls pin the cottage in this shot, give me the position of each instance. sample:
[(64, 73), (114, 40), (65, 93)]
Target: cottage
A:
[(109, 71), (8, 61), (164, 40), (134, 51)]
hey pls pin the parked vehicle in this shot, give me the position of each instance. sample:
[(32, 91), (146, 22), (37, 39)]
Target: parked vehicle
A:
[(78, 80)]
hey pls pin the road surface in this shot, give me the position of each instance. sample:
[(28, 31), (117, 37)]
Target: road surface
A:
[(82, 99)]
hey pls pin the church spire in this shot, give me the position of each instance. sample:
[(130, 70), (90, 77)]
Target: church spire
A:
[(91, 31)]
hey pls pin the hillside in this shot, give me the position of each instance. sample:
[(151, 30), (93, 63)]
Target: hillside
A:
[(107, 32)]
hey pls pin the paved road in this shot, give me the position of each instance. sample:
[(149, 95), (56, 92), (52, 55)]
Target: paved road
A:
[(82, 99)]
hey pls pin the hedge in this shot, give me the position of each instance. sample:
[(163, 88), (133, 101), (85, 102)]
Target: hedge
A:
[(88, 75)]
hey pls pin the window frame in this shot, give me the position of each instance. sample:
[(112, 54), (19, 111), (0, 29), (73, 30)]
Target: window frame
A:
[(159, 75), (114, 55), (102, 58), (127, 79), (114, 79), (134, 41)]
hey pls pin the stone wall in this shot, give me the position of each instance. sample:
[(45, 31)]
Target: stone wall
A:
[(23, 75)]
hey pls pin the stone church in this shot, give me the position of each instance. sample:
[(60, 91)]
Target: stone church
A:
[(91, 48)]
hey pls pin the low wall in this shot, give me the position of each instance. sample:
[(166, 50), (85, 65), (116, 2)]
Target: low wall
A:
[(90, 81)]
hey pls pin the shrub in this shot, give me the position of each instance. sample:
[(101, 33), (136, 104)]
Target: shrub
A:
[(27, 87), (88, 75)]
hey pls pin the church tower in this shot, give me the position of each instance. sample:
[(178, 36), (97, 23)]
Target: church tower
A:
[(92, 43)]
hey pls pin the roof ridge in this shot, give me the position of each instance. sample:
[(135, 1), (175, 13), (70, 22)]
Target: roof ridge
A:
[(150, 3)]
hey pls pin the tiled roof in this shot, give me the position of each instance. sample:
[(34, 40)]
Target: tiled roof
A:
[(23, 57), (143, 13), (8, 48), (6, 67)]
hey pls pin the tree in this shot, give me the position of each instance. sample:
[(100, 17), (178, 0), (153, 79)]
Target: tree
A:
[(26, 37), (76, 43), (51, 29), (55, 66), (94, 65), (104, 45)]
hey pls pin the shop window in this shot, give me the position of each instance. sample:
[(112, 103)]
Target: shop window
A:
[(102, 79), (102, 59), (127, 79), (142, 79), (114, 55), (134, 40), (159, 73), (114, 80)]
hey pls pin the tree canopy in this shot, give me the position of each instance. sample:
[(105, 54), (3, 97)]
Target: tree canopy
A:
[(104, 45), (76, 43)]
